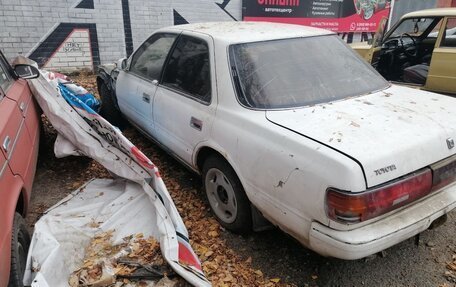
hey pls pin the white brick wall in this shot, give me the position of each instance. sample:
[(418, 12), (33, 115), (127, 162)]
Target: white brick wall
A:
[(73, 54), (25, 24)]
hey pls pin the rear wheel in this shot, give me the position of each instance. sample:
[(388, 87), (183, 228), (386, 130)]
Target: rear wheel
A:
[(108, 108), (226, 195), (20, 242)]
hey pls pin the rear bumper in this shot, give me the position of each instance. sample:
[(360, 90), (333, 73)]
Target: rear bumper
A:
[(382, 234)]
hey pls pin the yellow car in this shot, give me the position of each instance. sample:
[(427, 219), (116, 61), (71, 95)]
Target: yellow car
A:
[(419, 50)]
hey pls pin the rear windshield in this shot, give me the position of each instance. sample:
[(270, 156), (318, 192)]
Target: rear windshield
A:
[(299, 72)]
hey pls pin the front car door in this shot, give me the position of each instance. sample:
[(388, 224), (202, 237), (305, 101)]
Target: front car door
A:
[(136, 86), (372, 56), (185, 102), (442, 71)]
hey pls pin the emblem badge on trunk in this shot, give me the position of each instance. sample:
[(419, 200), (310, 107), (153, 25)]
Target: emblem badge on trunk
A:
[(450, 143)]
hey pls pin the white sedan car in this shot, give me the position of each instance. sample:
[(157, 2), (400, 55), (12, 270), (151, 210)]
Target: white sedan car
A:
[(287, 123)]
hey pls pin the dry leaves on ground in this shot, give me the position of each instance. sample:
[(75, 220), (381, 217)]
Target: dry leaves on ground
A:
[(126, 264), (222, 265), (450, 274)]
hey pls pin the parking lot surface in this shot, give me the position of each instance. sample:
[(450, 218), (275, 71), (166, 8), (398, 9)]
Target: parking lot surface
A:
[(267, 258)]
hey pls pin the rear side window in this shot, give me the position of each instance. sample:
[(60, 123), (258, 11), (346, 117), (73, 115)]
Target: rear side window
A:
[(188, 69), (148, 60)]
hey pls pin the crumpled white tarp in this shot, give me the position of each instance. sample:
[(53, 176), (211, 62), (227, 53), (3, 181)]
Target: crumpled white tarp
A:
[(136, 202)]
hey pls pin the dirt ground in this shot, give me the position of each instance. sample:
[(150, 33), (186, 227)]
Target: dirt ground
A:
[(268, 258)]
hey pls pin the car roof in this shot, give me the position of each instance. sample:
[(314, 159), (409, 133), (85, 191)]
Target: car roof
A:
[(436, 12), (244, 32)]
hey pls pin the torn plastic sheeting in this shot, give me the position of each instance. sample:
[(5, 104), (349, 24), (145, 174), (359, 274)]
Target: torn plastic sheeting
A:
[(82, 131), (99, 206)]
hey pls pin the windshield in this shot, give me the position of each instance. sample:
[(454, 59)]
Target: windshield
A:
[(299, 72), (414, 27)]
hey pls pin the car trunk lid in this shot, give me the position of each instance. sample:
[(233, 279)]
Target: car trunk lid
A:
[(389, 133)]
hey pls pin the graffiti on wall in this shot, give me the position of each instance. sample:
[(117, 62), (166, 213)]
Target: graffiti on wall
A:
[(75, 50), (75, 45)]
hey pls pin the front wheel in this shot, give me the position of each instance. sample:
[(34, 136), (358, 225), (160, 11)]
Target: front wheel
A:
[(226, 195), (20, 242)]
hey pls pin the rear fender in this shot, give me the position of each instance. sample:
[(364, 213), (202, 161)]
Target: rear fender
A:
[(8, 205)]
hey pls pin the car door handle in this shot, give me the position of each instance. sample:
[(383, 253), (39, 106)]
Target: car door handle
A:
[(196, 123), (6, 143), (146, 97)]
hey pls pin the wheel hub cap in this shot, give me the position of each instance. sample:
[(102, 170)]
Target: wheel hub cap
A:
[(221, 196)]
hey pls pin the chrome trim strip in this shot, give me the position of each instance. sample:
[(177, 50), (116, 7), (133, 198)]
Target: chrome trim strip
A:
[(3, 168), (10, 153)]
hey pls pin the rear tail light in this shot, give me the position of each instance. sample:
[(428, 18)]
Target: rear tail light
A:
[(356, 207), (444, 173)]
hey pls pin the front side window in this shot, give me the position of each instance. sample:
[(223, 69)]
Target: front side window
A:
[(415, 27), (188, 69), (299, 72), (148, 60)]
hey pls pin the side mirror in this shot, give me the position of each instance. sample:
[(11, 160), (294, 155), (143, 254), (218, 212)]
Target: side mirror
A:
[(25, 71), (122, 64)]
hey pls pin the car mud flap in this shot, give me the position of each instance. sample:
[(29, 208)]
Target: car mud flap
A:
[(438, 222), (52, 257), (260, 223)]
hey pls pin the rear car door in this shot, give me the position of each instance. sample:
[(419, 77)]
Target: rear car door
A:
[(185, 102), (442, 71), (136, 86), (15, 138), (7, 181)]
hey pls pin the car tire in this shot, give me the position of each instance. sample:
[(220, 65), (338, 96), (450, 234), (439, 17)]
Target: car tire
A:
[(20, 242), (108, 108), (226, 196)]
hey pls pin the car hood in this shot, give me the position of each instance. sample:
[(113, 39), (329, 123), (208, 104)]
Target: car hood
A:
[(389, 133)]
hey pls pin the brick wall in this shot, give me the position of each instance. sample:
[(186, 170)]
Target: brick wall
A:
[(67, 35)]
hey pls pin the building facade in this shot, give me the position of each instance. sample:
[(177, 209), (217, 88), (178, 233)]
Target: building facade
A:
[(68, 35)]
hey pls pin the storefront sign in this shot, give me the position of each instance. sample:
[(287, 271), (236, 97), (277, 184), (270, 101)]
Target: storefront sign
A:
[(336, 15)]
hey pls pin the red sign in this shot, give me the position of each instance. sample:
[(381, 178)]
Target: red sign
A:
[(335, 15)]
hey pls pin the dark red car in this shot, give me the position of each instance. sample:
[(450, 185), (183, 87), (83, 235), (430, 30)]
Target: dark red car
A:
[(19, 142)]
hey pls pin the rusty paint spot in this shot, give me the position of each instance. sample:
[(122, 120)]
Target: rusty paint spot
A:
[(368, 103), (354, 124)]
